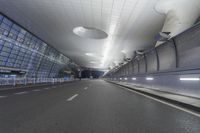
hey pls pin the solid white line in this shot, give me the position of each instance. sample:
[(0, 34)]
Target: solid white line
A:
[(71, 98), (86, 88), (36, 90), (163, 102), (3, 96), (20, 93)]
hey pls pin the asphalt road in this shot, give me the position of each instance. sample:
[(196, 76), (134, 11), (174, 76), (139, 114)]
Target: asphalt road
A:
[(89, 107)]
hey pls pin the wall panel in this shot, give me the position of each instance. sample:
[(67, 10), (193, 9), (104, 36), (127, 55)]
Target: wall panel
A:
[(188, 47), (142, 66), (151, 59), (166, 56), (135, 66)]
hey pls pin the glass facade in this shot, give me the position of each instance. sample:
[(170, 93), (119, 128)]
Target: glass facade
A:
[(22, 50)]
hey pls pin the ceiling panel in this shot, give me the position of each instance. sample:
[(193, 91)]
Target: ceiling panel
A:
[(130, 24)]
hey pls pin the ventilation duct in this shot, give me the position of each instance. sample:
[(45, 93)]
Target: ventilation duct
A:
[(180, 15), (162, 36)]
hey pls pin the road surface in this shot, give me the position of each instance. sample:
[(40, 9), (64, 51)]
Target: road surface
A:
[(92, 106)]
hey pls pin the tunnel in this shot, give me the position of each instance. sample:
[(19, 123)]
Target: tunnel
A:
[(99, 66)]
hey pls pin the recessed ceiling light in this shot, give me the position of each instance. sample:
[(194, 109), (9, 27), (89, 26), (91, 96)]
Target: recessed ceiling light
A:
[(89, 54), (92, 62), (123, 51)]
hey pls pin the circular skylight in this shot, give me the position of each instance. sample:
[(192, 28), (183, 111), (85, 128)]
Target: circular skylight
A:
[(88, 32)]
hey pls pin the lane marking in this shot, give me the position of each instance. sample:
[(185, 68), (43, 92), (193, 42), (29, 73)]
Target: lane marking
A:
[(71, 98), (3, 96), (36, 90), (163, 102), (20, 93), (85, 88), (46, 88)]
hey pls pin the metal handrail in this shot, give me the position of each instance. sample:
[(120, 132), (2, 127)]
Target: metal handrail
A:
[(24, 81)]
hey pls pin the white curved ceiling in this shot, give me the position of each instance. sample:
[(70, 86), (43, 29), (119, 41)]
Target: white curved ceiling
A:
[(130, 24)]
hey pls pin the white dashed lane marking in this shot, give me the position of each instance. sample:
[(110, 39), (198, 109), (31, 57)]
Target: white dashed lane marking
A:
[(36, 90), (71, 98), (3, 96), (46, 88), (85, 88), (20, 93)]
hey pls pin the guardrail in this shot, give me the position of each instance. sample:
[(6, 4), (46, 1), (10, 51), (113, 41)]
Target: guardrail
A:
[(25, 81)]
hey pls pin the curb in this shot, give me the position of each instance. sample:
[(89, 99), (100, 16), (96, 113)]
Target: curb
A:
[(185, 105)]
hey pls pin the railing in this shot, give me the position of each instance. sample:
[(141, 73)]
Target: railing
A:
[(25, 81), (179, 53)]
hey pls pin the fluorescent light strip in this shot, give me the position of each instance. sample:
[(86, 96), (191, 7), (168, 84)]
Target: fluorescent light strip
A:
[(107, 48), (189, 79), (149, 78), (133, 78)]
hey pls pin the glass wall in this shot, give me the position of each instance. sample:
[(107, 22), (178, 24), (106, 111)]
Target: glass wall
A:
[(22, 50)]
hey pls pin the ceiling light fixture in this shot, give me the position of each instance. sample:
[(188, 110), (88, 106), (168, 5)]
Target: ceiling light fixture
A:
[(123, 51), (149, 78), (133, 78), (107, 48), (93, 62), (109, 43), (112, 29), (89, 54), (189, 79)]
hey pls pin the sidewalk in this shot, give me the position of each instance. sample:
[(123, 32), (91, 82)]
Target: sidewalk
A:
[(188, 102), (9, 87)]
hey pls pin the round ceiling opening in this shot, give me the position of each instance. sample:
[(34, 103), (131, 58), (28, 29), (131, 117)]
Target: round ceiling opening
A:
[(89, 32)]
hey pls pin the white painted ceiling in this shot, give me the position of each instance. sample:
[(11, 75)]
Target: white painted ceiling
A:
[(130, 24)]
